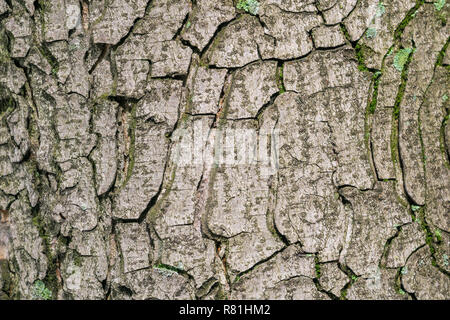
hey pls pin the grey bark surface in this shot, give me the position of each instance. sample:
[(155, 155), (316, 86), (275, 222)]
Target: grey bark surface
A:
[(99, 100)]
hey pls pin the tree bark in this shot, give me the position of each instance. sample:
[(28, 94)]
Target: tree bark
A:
[(224, 149)]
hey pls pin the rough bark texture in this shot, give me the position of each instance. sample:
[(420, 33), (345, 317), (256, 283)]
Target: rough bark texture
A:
[(100, 100)]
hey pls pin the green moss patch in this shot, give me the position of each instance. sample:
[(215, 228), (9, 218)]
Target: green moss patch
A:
[(401, 58), (40, 291), (439, 4), (381, 9), (250, 6), (371, 33)]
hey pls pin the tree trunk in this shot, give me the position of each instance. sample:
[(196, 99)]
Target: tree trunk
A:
[(224, 149)]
